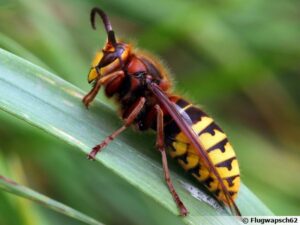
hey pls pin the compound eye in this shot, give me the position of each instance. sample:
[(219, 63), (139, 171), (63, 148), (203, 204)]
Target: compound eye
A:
[(107, 59)]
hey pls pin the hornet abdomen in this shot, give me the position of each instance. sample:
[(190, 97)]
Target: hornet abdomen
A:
[(215, 143)]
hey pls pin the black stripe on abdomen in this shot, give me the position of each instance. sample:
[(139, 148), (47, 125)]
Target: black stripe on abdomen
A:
[(210, 129), (195, 114), (220, 145)]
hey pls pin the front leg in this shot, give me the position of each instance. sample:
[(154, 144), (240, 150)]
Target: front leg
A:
[(88, 98), (100, 81), (161, 147)]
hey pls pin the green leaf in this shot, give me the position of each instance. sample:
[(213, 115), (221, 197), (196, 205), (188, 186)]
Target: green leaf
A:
[(46, 101), (17, 189)]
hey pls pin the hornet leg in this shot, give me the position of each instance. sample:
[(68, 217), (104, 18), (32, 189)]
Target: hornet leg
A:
[(102, 80), (127, 122), (161, 147)]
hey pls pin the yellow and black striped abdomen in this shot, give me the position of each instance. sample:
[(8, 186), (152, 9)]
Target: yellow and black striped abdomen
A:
[(215, 143)]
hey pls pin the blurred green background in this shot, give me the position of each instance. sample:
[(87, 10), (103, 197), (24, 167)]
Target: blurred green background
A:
[(240, 60)]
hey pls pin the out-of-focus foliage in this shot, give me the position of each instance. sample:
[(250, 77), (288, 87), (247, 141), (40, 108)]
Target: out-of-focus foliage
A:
[(240, 59)]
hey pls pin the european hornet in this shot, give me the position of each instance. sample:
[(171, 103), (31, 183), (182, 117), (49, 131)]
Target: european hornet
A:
[(142, 89)]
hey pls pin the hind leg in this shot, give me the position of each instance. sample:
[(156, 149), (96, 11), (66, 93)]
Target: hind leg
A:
[(161, 147)]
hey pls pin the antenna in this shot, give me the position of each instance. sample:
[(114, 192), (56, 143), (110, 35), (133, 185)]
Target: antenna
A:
[(110, 33)]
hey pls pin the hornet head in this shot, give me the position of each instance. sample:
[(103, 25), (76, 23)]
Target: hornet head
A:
[(113, 54)]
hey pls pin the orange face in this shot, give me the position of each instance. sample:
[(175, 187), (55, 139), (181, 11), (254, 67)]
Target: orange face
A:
[(108, 60)]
